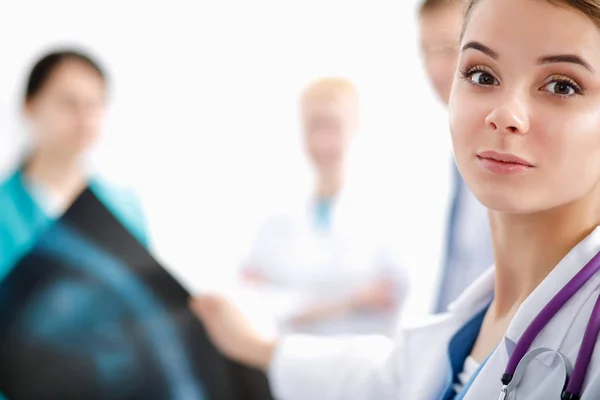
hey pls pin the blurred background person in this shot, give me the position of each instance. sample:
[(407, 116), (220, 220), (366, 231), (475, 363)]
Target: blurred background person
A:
[(65, 103), (326, 252), (469, 247), (64, 106)]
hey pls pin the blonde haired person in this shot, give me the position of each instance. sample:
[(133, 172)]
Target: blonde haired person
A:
[(326, 253), (526, 135)]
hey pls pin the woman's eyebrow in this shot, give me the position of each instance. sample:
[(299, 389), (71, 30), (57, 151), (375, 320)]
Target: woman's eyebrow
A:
[(550, 59), (565, 58), (482, 48)]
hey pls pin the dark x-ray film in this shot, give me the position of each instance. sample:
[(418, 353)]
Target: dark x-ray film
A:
[(89, 314)]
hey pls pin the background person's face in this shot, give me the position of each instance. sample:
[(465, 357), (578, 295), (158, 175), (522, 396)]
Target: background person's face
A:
[(328, 128), (440, 30), (67, 114)]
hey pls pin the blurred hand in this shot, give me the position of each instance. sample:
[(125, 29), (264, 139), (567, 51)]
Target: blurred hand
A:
[(251, 275), (375, 296), (232, 333)]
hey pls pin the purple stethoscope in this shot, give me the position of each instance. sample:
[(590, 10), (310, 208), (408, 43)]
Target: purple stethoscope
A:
[(575, 381)]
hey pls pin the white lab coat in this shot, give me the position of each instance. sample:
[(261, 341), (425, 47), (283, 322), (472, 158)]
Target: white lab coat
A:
[(415, 365), (312, 265)]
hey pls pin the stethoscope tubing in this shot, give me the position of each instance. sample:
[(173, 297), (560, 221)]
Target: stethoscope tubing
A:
[(548, 312)]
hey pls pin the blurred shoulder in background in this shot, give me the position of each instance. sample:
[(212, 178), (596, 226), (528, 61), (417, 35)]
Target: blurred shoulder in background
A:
[(469, 251)]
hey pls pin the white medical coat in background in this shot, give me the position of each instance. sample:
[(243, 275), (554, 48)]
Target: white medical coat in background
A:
[(310, 264), (415, 366)]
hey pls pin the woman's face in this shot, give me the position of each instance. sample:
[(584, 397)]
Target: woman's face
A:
[(328, 128), (67, 113), (525, 105)]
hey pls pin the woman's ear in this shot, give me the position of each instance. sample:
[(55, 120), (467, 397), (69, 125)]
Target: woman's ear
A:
[(28, 107), (28, 112)]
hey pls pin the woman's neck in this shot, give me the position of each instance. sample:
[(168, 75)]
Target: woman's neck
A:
[(528, 247), (329, 185), (61, 175)]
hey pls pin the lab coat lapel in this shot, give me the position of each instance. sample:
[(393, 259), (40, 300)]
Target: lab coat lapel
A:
[(488, 384), (566, 269), (476, 296), (427, 382)]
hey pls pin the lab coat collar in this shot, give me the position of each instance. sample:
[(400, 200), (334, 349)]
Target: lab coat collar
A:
[(476, 296), (566, 269), (346, 210)]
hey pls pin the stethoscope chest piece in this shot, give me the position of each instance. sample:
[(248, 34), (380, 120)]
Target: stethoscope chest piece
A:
[(503, 394), (509, 392)]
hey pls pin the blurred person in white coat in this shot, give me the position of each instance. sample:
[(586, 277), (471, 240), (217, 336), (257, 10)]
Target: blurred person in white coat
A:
[(327, 252), (525, 130)]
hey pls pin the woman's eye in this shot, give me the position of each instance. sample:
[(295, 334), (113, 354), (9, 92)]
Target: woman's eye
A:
[(561, 88), (483, 78)]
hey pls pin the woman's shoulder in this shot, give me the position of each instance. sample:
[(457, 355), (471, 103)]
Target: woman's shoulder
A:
[(9, 194), (20, 220), (8, 184), (14, 196)]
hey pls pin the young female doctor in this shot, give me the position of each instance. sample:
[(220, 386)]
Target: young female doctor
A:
[(65, 100), (526, 134)]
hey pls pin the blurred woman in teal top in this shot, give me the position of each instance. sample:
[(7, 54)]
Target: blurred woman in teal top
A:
[(64, 105)]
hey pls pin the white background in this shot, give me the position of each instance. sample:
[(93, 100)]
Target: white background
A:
[(203, 115)]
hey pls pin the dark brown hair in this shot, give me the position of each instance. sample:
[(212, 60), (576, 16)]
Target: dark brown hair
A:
[(427, 5), (43, 69)]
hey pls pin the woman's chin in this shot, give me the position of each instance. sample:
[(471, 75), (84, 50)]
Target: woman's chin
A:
[(505, 202)]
